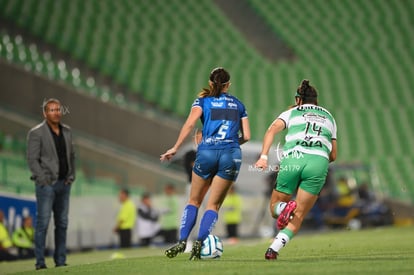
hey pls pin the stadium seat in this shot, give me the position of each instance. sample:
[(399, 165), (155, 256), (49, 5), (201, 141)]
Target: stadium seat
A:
[(356, 53)]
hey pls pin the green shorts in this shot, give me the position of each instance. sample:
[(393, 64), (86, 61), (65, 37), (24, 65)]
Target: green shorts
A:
[(302, 170)]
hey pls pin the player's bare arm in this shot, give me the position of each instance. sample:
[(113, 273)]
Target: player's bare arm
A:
[(332, 155), (277, 126), (245, 131), (187, 128)]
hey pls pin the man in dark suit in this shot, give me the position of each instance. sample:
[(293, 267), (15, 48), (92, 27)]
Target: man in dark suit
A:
[(51, 159)]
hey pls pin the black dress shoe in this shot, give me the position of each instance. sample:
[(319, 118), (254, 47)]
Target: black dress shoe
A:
[(42, 266), (60, 265)]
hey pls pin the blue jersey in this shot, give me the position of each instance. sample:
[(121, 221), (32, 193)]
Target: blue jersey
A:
[(221, 121)]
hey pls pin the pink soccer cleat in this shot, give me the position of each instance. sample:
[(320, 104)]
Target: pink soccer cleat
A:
[(286, 215)]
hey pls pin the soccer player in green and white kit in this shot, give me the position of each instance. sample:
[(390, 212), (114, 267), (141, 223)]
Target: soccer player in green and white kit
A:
[(310, 145)]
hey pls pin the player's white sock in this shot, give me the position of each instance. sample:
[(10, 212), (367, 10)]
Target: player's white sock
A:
[(279, 207), (282, 239)]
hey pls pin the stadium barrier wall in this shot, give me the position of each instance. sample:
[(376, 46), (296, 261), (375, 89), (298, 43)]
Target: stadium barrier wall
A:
[(91, 220), (24, 92), (101, 124)]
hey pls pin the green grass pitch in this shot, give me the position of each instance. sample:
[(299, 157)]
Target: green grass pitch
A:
[(387, 250)]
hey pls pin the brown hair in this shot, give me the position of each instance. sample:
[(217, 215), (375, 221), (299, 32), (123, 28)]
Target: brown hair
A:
[(307, 93), (220, 77)]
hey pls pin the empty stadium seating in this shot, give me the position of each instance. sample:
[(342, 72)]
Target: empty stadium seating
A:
[(355, 50), (357, 53)]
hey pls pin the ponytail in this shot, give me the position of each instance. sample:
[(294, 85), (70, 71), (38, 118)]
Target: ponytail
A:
[(307, 93), (219, 77)]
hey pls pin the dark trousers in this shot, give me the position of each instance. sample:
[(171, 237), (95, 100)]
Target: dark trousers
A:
[(232, 231), (52, 198), (125, 238)]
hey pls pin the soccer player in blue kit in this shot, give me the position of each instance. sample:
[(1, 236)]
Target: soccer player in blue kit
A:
[(218, 158)]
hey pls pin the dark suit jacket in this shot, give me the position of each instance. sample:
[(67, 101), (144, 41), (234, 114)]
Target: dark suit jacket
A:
[(42, 157)]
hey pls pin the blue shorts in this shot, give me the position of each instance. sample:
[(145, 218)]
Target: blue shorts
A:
[(224, 163)]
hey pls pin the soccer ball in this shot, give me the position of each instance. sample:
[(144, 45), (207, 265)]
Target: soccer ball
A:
[(212, 247)]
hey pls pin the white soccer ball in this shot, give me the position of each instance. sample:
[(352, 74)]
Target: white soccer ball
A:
[(212, 247)]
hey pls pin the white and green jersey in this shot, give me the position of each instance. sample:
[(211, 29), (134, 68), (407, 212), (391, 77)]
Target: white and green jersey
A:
[(311, 129)]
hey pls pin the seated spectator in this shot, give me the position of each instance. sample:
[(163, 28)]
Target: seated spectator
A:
[(345, 207), (365, 194), (147, 225), (23, 239), (6, 245)]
